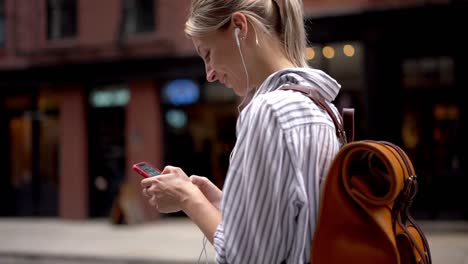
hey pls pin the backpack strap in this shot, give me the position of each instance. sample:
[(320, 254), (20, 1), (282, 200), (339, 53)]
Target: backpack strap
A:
[(348, 123), (344, 124)]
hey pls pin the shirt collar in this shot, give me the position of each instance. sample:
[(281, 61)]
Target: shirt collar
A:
[(326, 85)]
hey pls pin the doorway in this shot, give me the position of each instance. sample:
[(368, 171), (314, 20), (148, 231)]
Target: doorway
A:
[(106, 115), (30, 125)]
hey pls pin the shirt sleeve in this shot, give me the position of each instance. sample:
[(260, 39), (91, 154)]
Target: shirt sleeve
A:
[(219, 245), (259, 208)]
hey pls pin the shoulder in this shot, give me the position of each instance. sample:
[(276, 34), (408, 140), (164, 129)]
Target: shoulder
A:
[(286, 108), (279, 101)]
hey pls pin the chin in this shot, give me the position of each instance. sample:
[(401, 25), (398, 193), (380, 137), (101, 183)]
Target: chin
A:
[(235, 89), (240, 93)]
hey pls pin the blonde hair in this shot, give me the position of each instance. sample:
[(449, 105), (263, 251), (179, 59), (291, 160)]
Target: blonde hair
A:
[(208, 16)]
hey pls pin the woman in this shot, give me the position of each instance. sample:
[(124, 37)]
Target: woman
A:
[(268, 208)]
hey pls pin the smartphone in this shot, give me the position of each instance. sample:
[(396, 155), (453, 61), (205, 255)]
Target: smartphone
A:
[(145, 169)]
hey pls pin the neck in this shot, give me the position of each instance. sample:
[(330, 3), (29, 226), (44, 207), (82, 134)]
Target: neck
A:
[(268, 59)]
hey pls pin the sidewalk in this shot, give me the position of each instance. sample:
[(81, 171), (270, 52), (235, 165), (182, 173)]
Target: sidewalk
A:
[(170, 240)]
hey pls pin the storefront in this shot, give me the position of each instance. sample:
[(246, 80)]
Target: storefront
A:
[(29, 133), (69, 134), (407, 87)]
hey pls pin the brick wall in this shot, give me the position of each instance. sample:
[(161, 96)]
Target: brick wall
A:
[(98, 27), (324, 7)]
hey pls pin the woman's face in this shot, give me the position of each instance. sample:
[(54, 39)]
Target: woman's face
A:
[(222, 60)]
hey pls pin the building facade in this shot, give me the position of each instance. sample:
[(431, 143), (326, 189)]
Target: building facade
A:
[(406, 78), (88, 88), (81, 100)]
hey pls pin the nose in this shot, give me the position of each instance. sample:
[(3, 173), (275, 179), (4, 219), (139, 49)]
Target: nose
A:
[(210, 74)]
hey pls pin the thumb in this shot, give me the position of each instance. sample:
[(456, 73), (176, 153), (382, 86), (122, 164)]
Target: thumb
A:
[(197, 180)]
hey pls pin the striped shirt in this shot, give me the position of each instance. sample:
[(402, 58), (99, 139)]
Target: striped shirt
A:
[(285, 144)]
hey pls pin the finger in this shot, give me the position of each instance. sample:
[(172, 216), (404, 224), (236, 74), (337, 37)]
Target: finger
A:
[(200, 180), (195, 179), (146, 182), (169, 169), (153, 189), (153, 202), (146, 193)]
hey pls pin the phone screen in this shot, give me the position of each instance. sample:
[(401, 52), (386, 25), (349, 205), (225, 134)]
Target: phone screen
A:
[(147, 169)]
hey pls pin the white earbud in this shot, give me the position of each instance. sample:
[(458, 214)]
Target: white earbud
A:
[(236, 35)]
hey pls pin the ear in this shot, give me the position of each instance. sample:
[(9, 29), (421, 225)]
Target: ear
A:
[(239, 20)]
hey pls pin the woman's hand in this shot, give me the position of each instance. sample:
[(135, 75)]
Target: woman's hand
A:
[(209, 189), (169, 191), (199, 198)]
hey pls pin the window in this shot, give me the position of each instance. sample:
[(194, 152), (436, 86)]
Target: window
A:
[(429, 72), (138, 16), (61, 19), (2, 23)]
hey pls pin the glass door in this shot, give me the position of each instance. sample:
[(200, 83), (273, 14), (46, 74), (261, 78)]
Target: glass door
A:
[(31, 127)]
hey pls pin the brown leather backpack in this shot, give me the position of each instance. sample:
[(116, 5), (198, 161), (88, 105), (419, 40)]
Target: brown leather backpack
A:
[(364, 213)]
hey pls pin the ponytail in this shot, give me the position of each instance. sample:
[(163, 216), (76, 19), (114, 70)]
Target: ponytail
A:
[(295, 38)]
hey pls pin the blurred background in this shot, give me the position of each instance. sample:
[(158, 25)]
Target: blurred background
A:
[(87, 88)]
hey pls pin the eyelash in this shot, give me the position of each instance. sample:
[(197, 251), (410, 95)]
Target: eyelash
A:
[(207, 56)]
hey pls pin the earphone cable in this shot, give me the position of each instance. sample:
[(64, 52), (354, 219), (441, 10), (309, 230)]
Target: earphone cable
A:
[(246, 76), (203, 251)]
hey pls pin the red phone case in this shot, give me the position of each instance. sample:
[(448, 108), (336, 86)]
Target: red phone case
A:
[(145, 169)]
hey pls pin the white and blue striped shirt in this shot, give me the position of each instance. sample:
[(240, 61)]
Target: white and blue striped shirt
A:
[(285, 144)]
